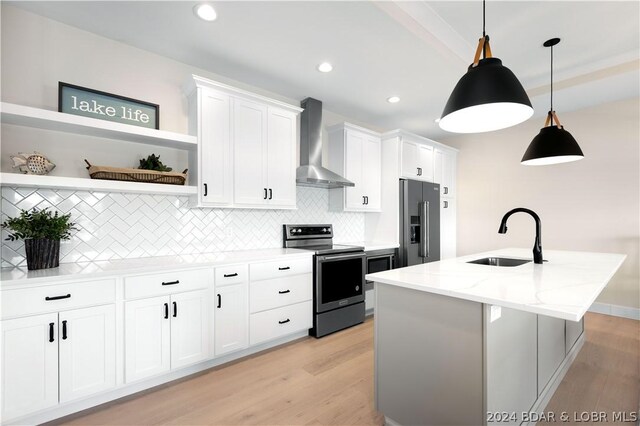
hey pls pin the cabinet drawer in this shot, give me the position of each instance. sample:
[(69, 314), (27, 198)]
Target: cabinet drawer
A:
[(166, 283), (53, 298), (277, 292), (269, 325), (280, 268), (234, 274)]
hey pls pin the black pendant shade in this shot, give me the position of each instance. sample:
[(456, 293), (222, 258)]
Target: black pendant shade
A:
[(488, 97), (552, 145)]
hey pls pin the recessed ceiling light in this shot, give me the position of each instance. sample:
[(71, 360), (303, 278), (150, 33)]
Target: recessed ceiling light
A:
[(325, 67), (205, 12), (393, 100)]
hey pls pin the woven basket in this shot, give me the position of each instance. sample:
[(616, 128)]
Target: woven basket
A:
[(136, 175)]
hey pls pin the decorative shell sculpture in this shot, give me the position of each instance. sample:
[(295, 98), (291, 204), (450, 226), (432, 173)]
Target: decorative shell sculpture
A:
[(32, 164)]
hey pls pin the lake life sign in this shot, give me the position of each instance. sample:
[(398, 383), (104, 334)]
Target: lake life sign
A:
[(107, 106)]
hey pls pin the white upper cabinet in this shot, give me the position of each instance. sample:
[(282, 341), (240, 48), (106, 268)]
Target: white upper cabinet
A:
[(417, 160), (444, 169), (246, 147), (249, 152), (215, 179), (281, 157), (355, 153)]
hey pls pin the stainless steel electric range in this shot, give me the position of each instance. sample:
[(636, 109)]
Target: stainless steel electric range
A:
[(338, 277)]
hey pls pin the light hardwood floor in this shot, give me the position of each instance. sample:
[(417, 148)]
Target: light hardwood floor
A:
[(330, 381)]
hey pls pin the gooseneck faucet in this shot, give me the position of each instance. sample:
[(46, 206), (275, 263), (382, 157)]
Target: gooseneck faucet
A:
[(537, 245)]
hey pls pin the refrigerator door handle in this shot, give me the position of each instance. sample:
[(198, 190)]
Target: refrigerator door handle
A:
[(427, 229), (424, 225)]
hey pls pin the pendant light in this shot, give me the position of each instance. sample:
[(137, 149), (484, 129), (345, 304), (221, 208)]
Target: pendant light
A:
[(488, 97), (553, 144)]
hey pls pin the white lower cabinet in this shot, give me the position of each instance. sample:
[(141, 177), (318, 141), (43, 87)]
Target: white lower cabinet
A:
[(163, 333), (231, 318), (189, 328), (274, 323), (87, 351), (56, 357), (29, 364)]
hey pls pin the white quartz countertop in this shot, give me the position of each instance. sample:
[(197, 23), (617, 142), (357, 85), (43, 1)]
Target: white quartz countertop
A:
[(21, 277), (564, 287)]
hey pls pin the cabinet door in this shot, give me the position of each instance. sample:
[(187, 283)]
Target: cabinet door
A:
[(231, 318), (189, 328), (372, 172), (216, 185), (551, 351), (281, 158), (448, 188), (354, 195), (87, 351), (409, 154), (147, 338), (447, 228), (438, 168), (249, 134), (425, 162), (29, 364)]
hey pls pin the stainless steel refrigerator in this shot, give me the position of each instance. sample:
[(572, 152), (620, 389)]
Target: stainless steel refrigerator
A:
[(419, 222)]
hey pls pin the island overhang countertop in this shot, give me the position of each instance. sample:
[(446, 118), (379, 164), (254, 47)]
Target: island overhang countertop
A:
[(564, 286)]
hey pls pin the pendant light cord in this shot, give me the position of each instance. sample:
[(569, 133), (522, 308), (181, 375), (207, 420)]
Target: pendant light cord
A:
[(551, 110), (484, 34)]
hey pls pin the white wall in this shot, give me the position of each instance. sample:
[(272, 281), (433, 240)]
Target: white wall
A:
[(589, 205)]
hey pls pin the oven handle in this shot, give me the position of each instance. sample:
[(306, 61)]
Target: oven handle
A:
[(331, 258)]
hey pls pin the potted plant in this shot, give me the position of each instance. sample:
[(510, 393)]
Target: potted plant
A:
[(41, 231)]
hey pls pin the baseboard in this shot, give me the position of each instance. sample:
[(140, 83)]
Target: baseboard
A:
[(615, 310)]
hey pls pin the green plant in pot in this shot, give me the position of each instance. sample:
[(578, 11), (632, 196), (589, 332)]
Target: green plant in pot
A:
[(41, 231)]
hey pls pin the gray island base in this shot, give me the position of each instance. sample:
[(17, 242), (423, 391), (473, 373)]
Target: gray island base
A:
[(447, 353)]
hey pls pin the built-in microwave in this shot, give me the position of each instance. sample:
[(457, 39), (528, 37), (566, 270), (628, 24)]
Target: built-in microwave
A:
[(380, 260)]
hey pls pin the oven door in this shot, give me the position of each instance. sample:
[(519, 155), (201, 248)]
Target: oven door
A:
[(339, 280)]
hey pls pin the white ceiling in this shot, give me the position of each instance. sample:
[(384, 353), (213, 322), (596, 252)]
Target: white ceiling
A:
[(415, 50)]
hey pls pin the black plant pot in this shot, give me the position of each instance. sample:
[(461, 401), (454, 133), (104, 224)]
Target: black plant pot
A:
[(42, 253)]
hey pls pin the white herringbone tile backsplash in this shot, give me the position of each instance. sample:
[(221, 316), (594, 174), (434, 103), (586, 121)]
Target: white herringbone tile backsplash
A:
[(118, 226)]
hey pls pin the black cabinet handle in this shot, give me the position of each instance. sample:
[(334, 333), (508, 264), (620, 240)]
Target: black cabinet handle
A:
[(230, 275), (364, 200), (446, 190), (284, 268), (175, 309), (446, 204), (64, 330), (206, 190), (219, 301), (166, 311), (66, 296), (284, 322), (171, 282), (419, 171), (284, 292), (270, 193), (265, 193), (51, 339), (366, 197)]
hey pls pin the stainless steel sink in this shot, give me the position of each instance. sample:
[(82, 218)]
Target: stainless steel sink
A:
[(499, 261)]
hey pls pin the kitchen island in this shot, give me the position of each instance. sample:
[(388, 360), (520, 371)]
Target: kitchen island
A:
[(464, 343)]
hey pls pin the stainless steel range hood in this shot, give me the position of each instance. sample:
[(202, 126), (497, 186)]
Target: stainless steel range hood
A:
[(311, 172)]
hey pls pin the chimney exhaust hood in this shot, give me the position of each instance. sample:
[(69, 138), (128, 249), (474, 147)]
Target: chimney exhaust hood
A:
[(311, 172)]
